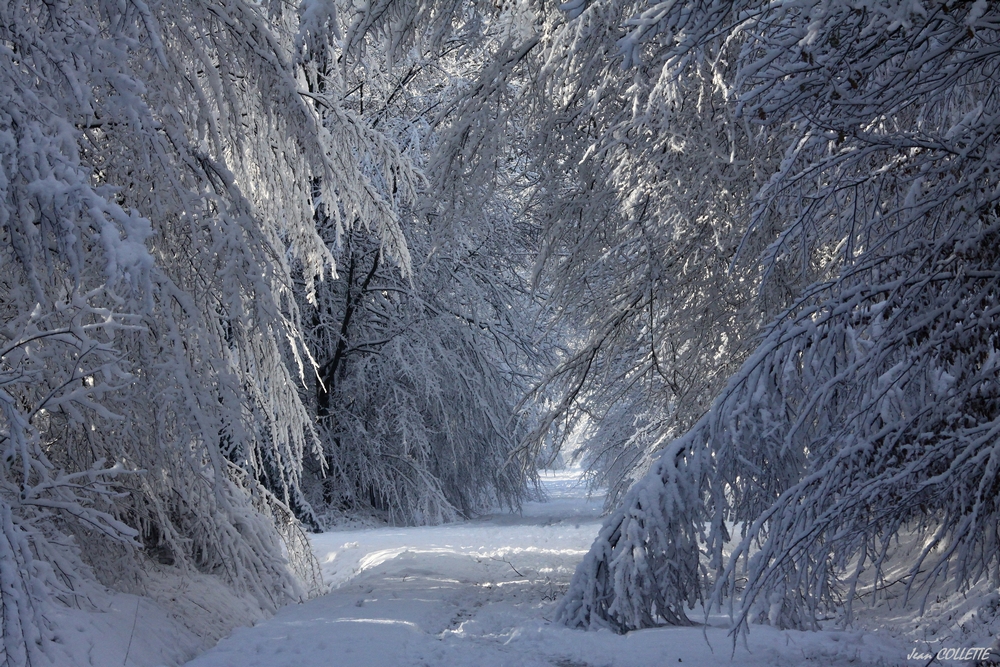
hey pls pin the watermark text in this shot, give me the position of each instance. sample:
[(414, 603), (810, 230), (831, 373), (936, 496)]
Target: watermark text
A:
[(976, 653)]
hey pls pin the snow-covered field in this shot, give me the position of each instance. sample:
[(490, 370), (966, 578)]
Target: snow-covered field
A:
[(481, 594)]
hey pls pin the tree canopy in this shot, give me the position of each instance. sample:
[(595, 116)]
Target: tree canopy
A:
[(272, 265)]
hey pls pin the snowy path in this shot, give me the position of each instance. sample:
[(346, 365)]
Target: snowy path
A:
[(481, 593)]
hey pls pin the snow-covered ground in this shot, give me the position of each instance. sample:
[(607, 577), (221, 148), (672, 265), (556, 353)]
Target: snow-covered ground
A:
[(482, 594), (175, 616)]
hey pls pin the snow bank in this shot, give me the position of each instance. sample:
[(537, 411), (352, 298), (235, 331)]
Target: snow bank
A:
[(176, 616)]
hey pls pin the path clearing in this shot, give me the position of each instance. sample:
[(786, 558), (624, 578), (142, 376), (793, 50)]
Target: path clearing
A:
[(481, 594)]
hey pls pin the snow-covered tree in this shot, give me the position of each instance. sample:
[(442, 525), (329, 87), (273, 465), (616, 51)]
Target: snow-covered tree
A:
[(870, 404), (421, 366), (641, 183), (160, 168)]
